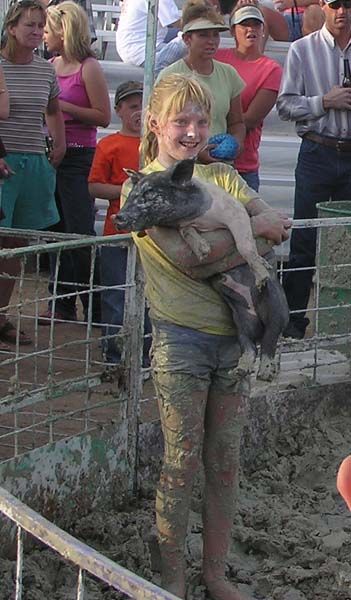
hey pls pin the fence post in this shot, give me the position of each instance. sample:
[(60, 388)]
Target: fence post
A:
[(134, 329)]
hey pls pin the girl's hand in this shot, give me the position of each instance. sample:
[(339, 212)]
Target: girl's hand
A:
[(271, 225), (205, 157), (56, 155)]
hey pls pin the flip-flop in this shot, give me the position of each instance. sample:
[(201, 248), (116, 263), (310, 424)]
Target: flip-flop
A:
[(8, 334)]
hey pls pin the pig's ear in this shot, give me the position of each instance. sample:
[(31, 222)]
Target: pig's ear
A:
[(135, 176), (182, 171)]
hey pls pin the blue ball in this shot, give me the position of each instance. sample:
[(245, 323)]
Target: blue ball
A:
[(227, 146)]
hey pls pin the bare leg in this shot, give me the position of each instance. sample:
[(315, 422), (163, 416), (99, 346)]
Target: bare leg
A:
[(181, 408), (221, 461), (8, 266)]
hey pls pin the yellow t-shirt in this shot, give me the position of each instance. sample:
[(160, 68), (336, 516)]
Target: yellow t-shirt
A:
[(173, 296)]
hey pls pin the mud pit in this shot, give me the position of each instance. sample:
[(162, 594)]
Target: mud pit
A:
[(291, 536)]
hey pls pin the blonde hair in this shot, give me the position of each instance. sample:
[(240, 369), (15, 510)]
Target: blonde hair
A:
[(13, 15), (169, 97), (201, 9), (70, 20)]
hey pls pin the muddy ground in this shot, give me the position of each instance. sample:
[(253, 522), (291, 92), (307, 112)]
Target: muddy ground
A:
[(291, 535)]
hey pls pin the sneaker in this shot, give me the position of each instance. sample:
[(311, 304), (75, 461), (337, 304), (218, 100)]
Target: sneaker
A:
[(45, 318), (296, 329)]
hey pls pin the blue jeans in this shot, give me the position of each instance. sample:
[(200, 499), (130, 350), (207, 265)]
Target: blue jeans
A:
[(113, 266), (252, 179), (172, 49), (321, 174), (76, 208)]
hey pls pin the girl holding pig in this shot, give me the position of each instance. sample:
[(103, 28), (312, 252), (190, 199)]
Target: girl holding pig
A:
[(195, 349)]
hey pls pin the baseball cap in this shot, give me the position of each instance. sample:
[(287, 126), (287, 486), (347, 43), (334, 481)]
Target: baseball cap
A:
[(246, 12), (127, 88), (203, 23)]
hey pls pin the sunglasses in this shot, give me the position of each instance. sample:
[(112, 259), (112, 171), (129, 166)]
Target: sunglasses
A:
[(337, 3)]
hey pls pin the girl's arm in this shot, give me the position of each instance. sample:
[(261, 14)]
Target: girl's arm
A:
[(4, 97), (235, 121), (56, 127), (99, 114), (259, 108), (107, 191)]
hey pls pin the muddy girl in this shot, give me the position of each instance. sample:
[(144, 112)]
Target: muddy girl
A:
[(195, 349), (174, 198)]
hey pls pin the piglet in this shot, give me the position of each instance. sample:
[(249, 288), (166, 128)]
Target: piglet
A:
[(174, 198)]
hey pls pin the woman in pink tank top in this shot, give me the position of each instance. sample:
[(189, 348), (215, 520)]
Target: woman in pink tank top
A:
[(85, 105)]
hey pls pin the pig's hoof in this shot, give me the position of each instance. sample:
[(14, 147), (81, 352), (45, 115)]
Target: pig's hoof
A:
[(262, 273), (260, 281), (267, 370), (198, 244), (246, 364)]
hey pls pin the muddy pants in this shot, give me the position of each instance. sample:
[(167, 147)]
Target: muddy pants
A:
[(201, 405)]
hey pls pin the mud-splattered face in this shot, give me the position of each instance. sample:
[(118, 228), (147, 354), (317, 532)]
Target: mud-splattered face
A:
[(183, 135)]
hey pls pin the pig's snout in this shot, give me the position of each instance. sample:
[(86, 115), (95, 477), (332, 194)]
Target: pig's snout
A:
[(121, 221)]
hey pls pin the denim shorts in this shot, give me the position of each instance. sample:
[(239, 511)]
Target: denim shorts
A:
[(192, 359), (28, 196)]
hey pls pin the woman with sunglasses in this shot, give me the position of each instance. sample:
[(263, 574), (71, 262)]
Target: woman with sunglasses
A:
[(28, 195), (312, 95), (262, 76)]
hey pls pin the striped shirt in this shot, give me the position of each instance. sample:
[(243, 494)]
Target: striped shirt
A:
[(313, 66), (31, 87)]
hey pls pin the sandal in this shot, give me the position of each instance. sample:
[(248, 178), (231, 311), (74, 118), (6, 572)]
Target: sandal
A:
[(8, 333)]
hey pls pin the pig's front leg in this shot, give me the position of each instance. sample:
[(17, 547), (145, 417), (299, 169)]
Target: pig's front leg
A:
[(240, 228), (196, 242)]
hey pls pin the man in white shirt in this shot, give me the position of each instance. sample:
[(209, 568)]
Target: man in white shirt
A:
[(312, 95), (131, 33)]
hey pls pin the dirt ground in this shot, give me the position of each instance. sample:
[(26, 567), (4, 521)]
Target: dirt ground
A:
[(291, 536)]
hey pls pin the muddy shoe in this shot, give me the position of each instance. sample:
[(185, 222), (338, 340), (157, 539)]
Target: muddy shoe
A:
[(296, 329), (8, 334)]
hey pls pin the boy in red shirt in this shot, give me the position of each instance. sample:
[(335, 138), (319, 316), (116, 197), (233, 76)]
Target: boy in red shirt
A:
[(113, 154)]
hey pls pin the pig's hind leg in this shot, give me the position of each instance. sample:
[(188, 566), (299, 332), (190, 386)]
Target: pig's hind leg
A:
[(273, 311), (238, 297)]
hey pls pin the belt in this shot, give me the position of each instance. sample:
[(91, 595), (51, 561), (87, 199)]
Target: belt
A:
[(340, 145), (79, 150)]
